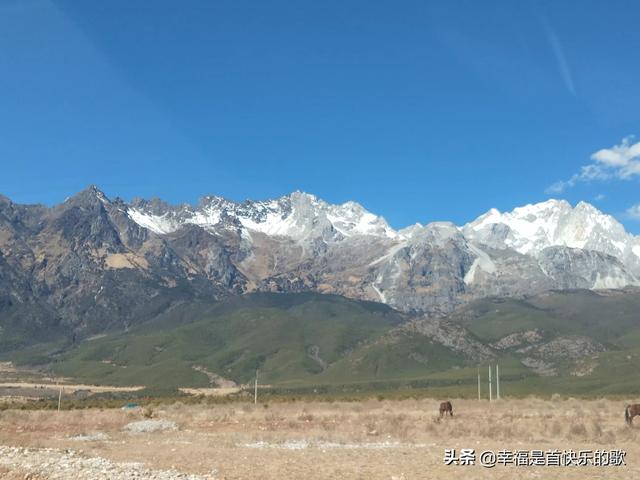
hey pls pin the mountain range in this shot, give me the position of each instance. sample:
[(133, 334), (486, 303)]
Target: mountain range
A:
[(144, 292), (92, 264)]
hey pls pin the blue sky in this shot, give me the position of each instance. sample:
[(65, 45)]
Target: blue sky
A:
[(419, 110)]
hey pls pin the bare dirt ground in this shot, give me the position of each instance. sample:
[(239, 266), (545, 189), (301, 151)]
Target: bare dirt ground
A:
[(211, 392), (68, 387), (25, 391), (372, 439), (21, 383)]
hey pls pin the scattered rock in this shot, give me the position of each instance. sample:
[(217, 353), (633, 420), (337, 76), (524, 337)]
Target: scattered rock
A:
[(517, 339), (90, 437), (539, 366), (54, 464), (146, 426)]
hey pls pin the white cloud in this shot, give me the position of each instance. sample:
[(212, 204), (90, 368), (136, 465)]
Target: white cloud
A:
[(623, 159), (600, 197), (557, 187), (618, 162), (633, 212)]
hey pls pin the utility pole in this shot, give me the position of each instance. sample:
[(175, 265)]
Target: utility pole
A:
[(59, 397), (490, 387), (255, 392), (497, 381), (478, 383)]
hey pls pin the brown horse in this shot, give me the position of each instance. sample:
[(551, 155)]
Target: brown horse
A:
[(445, 407), (630, 412)]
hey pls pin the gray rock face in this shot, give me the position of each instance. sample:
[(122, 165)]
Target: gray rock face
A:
[(92, 263), (450, 335), (587, 269), (427, 273)]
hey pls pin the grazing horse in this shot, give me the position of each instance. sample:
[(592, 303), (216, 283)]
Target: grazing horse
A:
[(445, 407), (630, 412)]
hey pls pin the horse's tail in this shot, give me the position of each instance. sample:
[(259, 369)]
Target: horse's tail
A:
[(627, 415)]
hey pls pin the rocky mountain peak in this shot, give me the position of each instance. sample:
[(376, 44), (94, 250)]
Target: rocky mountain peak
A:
[(297, 215), (532, 228), (90, 196)]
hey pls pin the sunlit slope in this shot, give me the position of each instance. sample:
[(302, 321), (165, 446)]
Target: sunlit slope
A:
[(285, 336), (575, 342)]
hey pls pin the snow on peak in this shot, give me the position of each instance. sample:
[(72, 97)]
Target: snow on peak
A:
[(159, 224), (411, 230), (297, 215), (528, 229), (351, 218), (531, 228), (301, 215)]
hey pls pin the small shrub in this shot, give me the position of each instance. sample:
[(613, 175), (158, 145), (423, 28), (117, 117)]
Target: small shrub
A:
[(305, 417), (578, 430)]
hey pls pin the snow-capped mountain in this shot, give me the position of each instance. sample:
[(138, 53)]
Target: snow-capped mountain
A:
[(530, 229), (298, 216), (83, 251), (348, 250), (527, 230)]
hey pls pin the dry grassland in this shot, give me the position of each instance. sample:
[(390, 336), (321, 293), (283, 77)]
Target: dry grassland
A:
[(364, 440)]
